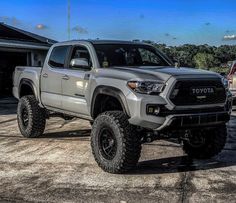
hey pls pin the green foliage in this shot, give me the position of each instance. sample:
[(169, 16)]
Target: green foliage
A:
[(200, 56), (204, 60), (221, 70)]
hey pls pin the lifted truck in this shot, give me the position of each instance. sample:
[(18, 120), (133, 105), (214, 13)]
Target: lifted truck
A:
[(131, 93)]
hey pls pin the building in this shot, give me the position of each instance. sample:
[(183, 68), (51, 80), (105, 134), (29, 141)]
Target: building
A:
[(19, 48)]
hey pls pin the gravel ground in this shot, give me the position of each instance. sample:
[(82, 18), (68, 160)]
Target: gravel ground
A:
[(59, 167)]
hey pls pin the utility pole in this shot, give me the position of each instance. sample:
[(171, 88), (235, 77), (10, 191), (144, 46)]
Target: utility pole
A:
[(68, 19)]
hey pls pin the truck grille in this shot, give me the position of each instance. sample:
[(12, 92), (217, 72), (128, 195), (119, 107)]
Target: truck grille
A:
[(201, 92)]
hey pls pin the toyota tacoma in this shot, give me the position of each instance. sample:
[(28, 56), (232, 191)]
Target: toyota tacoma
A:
[(131, 93)]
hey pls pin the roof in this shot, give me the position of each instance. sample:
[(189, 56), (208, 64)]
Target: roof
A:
[(113, 42), (12, 35), (103, 41)]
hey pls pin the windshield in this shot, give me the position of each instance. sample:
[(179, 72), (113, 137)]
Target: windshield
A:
[(129, 55)]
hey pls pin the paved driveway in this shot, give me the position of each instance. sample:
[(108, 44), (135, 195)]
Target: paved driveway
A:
[(59, 167)]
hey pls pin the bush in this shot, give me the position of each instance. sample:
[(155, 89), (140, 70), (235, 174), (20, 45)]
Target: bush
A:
[(221, 70)]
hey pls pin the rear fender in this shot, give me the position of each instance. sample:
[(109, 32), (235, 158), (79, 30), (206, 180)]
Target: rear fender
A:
[(31, 84)]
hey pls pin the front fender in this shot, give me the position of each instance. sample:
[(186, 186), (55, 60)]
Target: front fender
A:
[(110, 91)]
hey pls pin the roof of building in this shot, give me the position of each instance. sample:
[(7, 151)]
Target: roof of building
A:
[(10, 34)]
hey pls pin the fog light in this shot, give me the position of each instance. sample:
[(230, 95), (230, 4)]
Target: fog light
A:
[(153, 110)]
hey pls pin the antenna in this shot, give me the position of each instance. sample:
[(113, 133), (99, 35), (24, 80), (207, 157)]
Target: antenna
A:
[(68, 19)]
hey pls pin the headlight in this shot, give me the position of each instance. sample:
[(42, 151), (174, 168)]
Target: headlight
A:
[(146, 87), (225, 82)]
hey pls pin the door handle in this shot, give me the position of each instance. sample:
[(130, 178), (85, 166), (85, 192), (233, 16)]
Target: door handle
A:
[(45, 75), (65, 77), (87, 76)]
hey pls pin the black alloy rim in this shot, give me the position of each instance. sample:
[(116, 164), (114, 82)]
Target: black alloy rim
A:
[(197, 141), (107, 143)]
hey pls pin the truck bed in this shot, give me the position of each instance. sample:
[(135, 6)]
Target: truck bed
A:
[(30, 73)]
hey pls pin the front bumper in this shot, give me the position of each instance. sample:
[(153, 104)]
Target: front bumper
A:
[(172, 118), (186, 116), (194, 120)]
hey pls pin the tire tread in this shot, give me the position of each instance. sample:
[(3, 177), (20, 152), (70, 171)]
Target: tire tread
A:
[(36, 114), (131, 143)]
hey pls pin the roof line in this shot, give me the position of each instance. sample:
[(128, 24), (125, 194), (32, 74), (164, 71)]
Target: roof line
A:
[(29, 34), (23, 46), (106, 41)]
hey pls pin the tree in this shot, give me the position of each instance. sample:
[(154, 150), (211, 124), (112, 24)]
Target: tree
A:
[(201, 56), (204, 60)]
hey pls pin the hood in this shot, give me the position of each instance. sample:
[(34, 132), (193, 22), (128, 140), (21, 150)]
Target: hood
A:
[(157, 73)]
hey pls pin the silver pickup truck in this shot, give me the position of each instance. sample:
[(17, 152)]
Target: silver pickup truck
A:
[(131, 93)]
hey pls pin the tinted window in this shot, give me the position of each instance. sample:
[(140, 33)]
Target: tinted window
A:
[(149, 57), (129, 55), (58, 56)]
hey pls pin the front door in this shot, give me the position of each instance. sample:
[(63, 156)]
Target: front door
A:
[(76, 82), (51, 78)]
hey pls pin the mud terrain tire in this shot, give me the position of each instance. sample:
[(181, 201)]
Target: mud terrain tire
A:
[(112, 129), (31, 117)]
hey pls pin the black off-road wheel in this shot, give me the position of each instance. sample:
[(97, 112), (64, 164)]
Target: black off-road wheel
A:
[(115, 146), (31, 117), (206, 143)]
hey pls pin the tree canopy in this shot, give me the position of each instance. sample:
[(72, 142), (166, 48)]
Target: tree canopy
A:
[(199, 56)]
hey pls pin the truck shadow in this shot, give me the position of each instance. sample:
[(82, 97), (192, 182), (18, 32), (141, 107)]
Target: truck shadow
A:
[(226, 158), (181, 164)]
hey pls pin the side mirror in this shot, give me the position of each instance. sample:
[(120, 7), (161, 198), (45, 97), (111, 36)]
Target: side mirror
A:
[(177, 65), (176, 62), (80, 63)]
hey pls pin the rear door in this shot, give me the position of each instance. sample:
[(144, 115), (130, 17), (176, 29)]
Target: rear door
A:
[(51, 78), (76, 82)]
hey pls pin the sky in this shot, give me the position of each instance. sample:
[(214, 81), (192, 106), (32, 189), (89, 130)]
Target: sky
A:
[(173, 22)]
